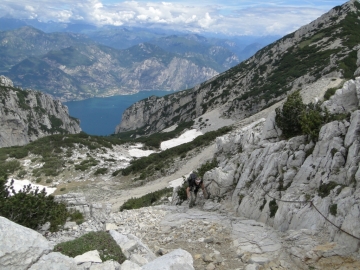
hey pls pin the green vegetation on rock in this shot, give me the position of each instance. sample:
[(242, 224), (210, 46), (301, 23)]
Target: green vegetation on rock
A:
[(146, 200), (31, 207), (158, 161), (101, 241), (296, 118)]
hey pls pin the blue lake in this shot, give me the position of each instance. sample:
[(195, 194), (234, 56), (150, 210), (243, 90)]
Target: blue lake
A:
[(100, 116)]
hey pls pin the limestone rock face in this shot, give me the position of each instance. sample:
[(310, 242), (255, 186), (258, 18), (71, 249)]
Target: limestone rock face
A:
[(55, 261), (255, 170), (345, 99), (28, 115), (23, 248), (20, 247), (4, 81), (357, 72)]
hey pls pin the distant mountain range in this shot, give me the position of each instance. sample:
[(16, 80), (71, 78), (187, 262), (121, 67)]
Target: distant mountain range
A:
[(83, 61)]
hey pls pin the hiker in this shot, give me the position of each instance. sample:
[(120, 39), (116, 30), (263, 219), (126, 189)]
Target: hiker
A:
[(195, 183)]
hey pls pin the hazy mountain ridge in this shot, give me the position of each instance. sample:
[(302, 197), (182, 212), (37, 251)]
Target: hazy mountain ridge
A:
[(326, 47), (83, 71), (18, 44), (78, 68)]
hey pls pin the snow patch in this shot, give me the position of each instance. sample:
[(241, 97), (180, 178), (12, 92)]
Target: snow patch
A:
[(19, 184), (186, 137), (134, 151)]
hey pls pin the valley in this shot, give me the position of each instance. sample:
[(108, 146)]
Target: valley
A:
[(275, 140)]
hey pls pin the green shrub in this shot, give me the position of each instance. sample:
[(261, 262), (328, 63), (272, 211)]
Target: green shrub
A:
[(147, 200), (333, 209), (38, 180), (241, 197), (86, 164), (48, 181), (100, 241), (324, 189), (330, 92), (263, 205), (115, 173), (273, 207), (209, 165), (101, 171), (10, 166), (21, 173), (288, 118), (312, 119), (181, 192), (76, 216), (296, 118), (63, 188), (31, 207)]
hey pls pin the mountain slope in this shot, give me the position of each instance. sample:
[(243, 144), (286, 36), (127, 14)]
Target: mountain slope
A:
[(327, 47), (28, 115)]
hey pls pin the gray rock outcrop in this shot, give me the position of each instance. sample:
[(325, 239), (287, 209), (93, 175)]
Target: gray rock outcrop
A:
[(23, 248), (264, 172), (27, 115), (177, 259), (346, 99), (20, 247)]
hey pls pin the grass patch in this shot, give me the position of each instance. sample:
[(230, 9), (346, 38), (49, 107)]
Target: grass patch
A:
[(147, 200), (100, 241), (101, 171), (333, 209), (324, 189)]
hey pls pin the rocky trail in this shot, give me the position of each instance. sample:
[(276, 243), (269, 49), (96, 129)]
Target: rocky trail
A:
[(215, 237), (122, 196)]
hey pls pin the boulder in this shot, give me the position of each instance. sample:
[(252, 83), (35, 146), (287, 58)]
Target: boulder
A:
[(129, 243), (129, 265), (345, 99), (108, 265), (90, 256), (55, 261), (20, 247), (178, 259)]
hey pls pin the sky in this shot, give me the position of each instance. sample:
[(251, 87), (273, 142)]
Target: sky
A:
[(229, 17)]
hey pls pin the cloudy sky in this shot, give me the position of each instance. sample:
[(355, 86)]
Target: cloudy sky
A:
[(231, 17)]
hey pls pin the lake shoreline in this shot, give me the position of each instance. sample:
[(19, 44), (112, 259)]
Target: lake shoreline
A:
[(100, 115)]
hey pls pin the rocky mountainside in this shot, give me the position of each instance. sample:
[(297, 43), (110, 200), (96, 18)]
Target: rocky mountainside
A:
[(27, 115), (325, 48), (297, 184)]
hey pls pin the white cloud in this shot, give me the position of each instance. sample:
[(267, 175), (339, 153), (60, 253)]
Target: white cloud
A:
[(230, 17)]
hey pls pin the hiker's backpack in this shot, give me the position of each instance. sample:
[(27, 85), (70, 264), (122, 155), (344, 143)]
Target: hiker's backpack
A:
[(192, 178)]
